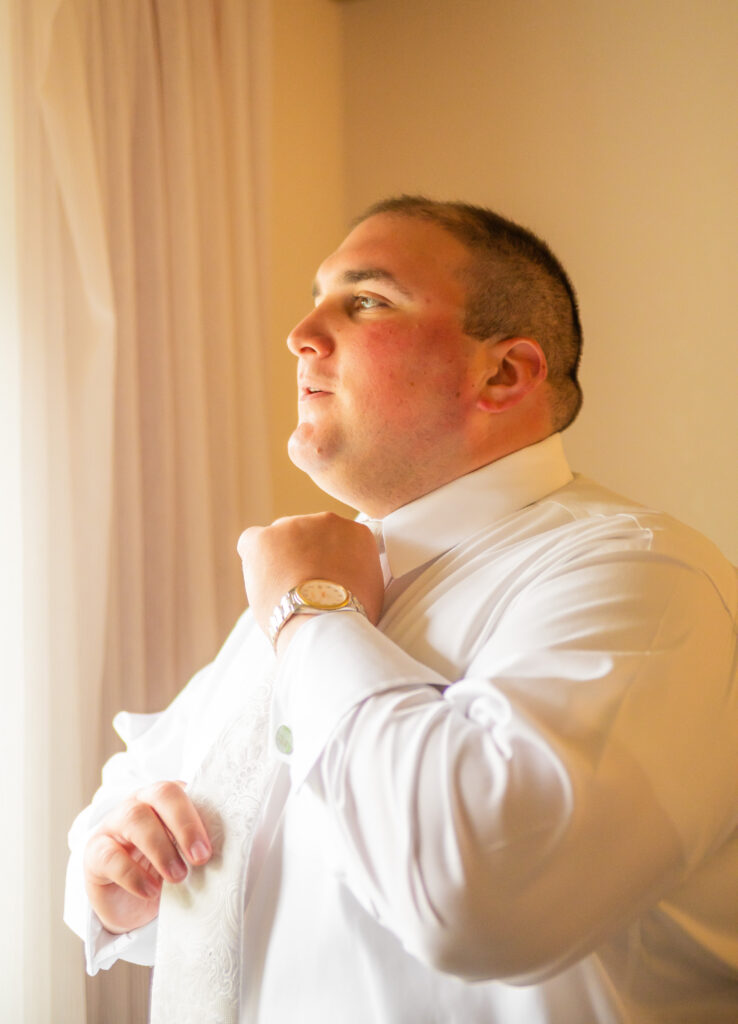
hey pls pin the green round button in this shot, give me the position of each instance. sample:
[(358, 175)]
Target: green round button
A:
[(283, 739)]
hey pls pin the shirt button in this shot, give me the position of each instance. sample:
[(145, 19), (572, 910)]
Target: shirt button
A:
[(283, 739)]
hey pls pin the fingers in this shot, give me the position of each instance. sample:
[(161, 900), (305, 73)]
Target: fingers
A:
[(247, 538), (152, 835), (185, 837), (109, 862)]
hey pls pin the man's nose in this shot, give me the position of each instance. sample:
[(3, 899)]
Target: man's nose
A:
[(311, 336)]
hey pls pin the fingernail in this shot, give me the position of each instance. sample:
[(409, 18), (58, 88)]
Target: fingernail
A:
[(177, 870), (199, 851)]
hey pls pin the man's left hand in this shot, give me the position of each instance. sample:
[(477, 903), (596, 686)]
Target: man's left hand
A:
[(298, 548)]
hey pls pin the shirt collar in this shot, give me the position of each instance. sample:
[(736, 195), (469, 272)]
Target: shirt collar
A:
[(432, 524)]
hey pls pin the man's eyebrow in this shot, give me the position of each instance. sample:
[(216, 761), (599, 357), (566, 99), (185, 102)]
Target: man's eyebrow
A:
[(367, 274)]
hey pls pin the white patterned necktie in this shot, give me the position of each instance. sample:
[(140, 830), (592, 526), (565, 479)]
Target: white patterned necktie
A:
[(197, 977)]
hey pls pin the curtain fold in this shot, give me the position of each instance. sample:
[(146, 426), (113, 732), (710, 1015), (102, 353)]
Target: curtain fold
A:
[(140, 404)]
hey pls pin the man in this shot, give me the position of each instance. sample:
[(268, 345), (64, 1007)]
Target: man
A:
[(510, 769)]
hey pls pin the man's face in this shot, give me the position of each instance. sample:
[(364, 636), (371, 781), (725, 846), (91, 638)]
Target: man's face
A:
[(387, 380)]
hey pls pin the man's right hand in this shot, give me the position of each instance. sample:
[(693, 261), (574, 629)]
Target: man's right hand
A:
[(149, 837)]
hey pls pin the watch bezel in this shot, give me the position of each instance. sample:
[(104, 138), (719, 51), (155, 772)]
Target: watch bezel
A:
[(310, 602)]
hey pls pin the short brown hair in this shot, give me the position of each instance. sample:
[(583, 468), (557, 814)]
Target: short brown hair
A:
[(517, 288)]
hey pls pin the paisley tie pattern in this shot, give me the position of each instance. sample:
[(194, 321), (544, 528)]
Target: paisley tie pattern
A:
[(197, 978)]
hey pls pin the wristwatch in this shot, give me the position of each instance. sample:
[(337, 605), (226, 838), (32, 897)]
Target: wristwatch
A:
[(313, 597)]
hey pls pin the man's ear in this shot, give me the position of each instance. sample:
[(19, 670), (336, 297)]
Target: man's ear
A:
[(516, 367)]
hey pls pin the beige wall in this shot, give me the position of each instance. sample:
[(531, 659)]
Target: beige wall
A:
[(610, 129)]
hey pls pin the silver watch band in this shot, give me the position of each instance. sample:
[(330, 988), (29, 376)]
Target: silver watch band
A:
[(291, 604)]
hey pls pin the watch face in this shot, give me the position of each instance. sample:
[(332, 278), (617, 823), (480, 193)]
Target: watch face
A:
[(323, 594)]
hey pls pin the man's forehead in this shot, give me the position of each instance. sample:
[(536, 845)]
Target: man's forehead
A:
[(396, 250)]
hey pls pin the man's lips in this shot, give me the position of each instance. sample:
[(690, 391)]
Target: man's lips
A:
[(310, 391)]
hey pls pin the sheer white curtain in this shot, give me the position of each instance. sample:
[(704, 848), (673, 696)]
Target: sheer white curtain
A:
[(133, 412)]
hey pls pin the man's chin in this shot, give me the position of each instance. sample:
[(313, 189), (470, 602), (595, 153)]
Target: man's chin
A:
[(306, 451), (303, 448), (318, 461)]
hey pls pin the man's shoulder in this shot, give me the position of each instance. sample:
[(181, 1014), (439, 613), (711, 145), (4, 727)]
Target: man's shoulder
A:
[(604, 516)]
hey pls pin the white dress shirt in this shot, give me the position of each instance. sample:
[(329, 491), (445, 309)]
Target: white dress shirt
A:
[(515, 801)]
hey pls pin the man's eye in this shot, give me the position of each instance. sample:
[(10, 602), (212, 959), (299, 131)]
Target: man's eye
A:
[(368, 302)]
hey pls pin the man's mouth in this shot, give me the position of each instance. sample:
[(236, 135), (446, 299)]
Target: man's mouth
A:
[(309, 391)]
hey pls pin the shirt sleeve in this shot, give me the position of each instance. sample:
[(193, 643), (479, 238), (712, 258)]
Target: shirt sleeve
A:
[(505, 823), (167, 745)]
